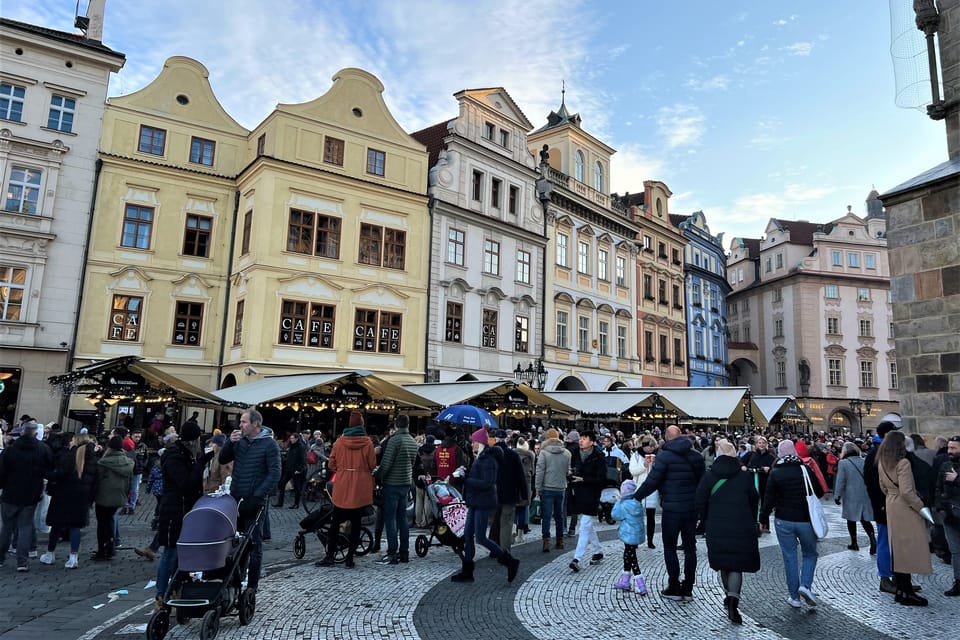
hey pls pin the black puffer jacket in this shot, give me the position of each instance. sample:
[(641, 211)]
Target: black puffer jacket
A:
[(511, 481), (871, 478), (786, 492), (676, 472), (481, 480), (730, 514), (585, 495), (182, 487)]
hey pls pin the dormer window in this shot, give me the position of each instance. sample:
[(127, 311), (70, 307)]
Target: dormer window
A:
[(488, 131), (504, 138)]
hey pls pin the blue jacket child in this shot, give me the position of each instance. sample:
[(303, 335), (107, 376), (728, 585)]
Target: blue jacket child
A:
[(630, 514)]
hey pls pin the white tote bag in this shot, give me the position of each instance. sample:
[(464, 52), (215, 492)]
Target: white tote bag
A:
[(817, 517)]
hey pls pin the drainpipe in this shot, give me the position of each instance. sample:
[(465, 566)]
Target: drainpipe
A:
[(431, 203), (229, 285)]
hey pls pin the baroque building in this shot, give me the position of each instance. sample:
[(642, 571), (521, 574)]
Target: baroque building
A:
[(810, 316), (487, 242), (52, 89)]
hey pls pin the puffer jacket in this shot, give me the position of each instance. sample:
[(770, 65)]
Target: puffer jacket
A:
[(553, 466), (585, 494), (512, 487), (675, 472), (256, 464), (353, 460), (23, 466), (114, 471), (629, 513), (786, 493), (481, 481)]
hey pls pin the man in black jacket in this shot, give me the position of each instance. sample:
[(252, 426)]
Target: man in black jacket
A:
[(512, 489), (23, 466), (589, 469), (878, 501), (676, 472)]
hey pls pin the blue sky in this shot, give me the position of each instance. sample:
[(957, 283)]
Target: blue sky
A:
[(746, 109)]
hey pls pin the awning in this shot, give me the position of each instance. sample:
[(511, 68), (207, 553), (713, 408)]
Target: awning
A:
[(770, 406), (607, 403), (445, 394), (723, 404)]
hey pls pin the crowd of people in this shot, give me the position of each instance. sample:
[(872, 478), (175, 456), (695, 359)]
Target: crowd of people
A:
[(733, 488)]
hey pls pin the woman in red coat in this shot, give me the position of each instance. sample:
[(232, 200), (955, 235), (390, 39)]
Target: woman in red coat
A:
[(353, 460)]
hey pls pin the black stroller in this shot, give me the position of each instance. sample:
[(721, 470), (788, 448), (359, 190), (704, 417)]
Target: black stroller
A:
[(318, 521), (211, 566), (448, 517)]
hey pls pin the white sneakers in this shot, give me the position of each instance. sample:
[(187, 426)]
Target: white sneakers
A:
[(794, 602), (807, 596), (71, 562), (47, 558)]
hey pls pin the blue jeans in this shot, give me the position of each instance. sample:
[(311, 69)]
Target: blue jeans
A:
[(884, 559), (675, 525), (551, 506), (17, 519), (134, 490), (475, 532), (165, 569), (395, 518), (116, 528), (788, 534)]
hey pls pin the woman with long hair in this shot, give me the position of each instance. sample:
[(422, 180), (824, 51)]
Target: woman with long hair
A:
[(851, 490), (71, 494), (906, 530)]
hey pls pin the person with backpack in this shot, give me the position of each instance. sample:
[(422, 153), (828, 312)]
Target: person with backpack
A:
[(424, 472)]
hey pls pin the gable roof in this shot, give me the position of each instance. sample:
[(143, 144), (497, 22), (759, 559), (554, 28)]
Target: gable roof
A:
[(485, 92), (676, 219), (432, 138), (752, 245), (62, 36), (801, 232)]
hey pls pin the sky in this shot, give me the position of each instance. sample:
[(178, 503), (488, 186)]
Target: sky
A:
[(746, 109)]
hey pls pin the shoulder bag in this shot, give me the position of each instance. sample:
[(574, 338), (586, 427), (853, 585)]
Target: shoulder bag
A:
[(817, 518)]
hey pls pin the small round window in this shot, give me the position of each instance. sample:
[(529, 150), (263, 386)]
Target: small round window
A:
[(357, 111), (182, 99)]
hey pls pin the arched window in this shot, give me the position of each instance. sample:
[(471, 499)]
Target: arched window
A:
[(598, 177), (579, 168)]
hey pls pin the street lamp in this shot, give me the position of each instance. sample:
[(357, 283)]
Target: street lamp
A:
[(535, 375), (748, 410), (860, 407)]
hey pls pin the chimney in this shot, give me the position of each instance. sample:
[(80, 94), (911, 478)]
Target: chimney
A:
[(95, 10)]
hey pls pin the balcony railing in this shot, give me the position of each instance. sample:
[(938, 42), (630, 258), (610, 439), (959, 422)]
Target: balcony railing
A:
[(589, 193)]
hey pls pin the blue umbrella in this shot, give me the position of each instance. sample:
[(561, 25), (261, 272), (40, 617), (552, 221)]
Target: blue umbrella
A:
[(467, 414)]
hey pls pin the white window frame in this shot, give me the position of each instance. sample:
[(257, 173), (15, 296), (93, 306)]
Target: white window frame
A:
[(563, 250), (583, 333), (603, 335), (602, 258), (563, 325), (456, 244), (8, 283), (67, 107), (580, 163), (26, 190), (621, 271), (853, 259), (15, 96), (583, 257), (523, 266), (835, 372), (621, 341), (781, 374), (867, 379), (491, 257)]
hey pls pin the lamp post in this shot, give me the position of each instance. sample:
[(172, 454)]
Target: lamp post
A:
[(535, 375), (860, 407), (748, 410)]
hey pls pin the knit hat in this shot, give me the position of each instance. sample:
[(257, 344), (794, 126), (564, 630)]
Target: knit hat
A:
[(786, 448), (189, 431), (628, 487), (356, 419), (170, 437), (552, 433), (115, 443), (724, 448), (573, 435), (802, 450), (480, 436), (886, 427), (219, 439)]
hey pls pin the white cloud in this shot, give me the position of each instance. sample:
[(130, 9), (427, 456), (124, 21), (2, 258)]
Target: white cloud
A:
[(719, 82), (799, 48), (766, 135), (681, 125), (631, 166)]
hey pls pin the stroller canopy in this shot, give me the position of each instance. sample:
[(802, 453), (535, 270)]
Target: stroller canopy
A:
[(212, 519)]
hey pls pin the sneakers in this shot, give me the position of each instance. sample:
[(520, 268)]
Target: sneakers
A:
[(32, 555), (389, 559), (686, 593), (640, 585), (596, 558), (574, 565), (23, 568), (47, 558), (672, 592), (807, 596), (72, 562), (794, 602)]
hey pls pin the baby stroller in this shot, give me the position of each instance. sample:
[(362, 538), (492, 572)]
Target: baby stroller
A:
[(448, 519), (608, 498), (211, 559), (318, 522)]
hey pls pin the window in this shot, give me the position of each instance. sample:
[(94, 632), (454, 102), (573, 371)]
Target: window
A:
[(740, 274), (201, 151), (863, 294), (522, 337), (23, 190), (454, 322), (187, 321), (62, 110), (488, 336), (664, 353), (477, 185), (562, 324), (853, 260), (378, 331), (834, 372), (768, 265), (393, 241), (376, 162), (523, 266), (891, 331), (125, 318), (894, 380), (394, 248), (238, 324), (578, 168), (746, 305), (137, 226), (583, 257), (598, 177), (488, 131), (370, 242), (781, 374), (716, 348), (837, 258), (293, 322), (247, 230), (866, 328), (300, 232), (455, 242), (677, 298), (779, 261), (648, 244), (866, 373), (661, 250), (870, 261), (889, 296), (675, 256), (196, 236), (662, 291), (333, 151), (746, 333), (261, 144), (778, 328), (832, 291), (697, 301), (583, 333), (698, 343), (621, 271), (602, 272), (12, 283), (491, 257), (152, 140), (732, 309), (621, 341), (603, 334), (504, 138), (11, 101), (647, 287), (696, 259), (778, 294), (514, 197), (678, 352), (833, 326), (495, 188), (648, 354), (562, 249)]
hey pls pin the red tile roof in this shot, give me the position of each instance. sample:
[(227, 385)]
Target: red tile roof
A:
[(432, 138), (802, 232)]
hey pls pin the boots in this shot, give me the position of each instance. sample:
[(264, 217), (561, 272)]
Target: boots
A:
[(624, 582), (906, 595), (466, 572), (546, 545), (512, 565), (954, 591), (559, 544), (733, 613), (640, 585), (873, 544)]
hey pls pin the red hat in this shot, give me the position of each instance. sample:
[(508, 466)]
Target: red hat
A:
[(480, 436), (128, 444), (356, 419), (802, 450)]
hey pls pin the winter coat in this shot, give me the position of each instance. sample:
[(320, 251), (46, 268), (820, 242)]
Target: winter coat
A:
[(629, 513), (585, 494), (23, 466), (529, 462), (296, 460), (871, 478), (511, 481), (481, 482), (730, 516), (675, 472), (182, 486), (755, 461), (851, 490), (924, 479), (70, 495), (652, 501), (215, 474), (948, 493), (353, 460), (553, 466), (906, 529), (399, 454), (256, 464), (786, 492), (114, 473)]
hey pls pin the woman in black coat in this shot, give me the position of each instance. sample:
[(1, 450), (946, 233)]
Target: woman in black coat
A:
[(71, 495), (294, 469), (727, 501), (760, 461)]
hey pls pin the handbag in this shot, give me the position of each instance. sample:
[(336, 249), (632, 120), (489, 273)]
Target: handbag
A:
[(817, 518)]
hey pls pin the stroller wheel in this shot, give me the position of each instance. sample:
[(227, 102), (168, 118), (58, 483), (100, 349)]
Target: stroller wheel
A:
[(422, 545), (248, 604), (299, 546), (343, 544), (158, 625), (210, 624), (366, 542)]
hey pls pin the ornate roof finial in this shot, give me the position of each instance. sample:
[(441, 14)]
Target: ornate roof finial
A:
[(563, 92)]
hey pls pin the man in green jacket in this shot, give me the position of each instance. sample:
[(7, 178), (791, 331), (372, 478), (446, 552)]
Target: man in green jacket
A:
[(114, 472), (395, 475)]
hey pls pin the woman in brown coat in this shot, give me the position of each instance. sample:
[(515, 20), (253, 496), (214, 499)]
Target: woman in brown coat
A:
[(353, 460), (905, 524)]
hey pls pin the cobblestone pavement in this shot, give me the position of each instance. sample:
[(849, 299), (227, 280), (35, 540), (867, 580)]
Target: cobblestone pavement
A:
[(547, 601)]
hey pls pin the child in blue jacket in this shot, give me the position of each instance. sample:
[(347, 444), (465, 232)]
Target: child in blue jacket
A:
[(629, 513)]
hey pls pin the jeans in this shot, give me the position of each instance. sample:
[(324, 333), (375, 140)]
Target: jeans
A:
[(56, 534), (953, 541), (522, 517), (475, 532), (395, 518), (551, 504), (16, 519), (788, 534), (884, 559), (165, 569), (134, 491), (679, 525), (588, 539)]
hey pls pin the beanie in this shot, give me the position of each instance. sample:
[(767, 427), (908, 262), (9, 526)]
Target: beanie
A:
[(115, 443), (552, 433), (802, 450), (725, 448), (189, 431), (573, 435), (480, 436), (786, 448), (218, 439), (356, 419)]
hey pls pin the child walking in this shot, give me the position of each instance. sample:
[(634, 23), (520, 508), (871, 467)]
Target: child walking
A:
[(629, 513)]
